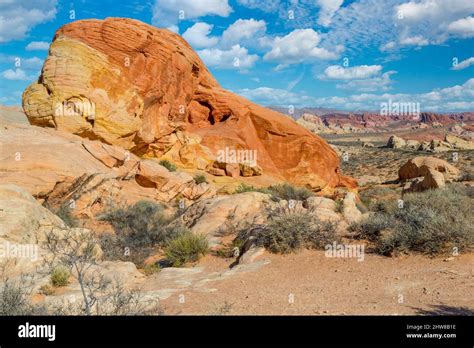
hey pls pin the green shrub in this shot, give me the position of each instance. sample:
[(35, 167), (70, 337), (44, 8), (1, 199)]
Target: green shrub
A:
[(375, 198), (227, 250), (468, 176), (168, 165), (60, 276), (339, 205), (243, 187), (152, 269), (138, 229), (186, 248), (46, 289), (290, 232), (15, 298), (430, 222), (200, 178), (286, 192), (372, 227), (64, 212)]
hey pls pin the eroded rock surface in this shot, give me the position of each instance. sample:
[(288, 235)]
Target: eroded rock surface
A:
[(130, 84)]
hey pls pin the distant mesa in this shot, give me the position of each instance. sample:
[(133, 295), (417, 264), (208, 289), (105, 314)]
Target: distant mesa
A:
[(127, 83)]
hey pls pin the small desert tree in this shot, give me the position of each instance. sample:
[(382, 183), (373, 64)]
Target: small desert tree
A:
[(77, 250)]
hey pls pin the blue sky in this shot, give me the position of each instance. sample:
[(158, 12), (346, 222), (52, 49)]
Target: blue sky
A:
[(341, 54)]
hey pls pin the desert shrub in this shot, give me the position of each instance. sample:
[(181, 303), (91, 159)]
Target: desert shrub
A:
[(372, 227), (15, 299), (64, 212), (186, 248), (152, 269), (168, 165), (200, 179), (286, 191), (140, 228), (46, 289), (339, 205), (60, 276), (375, 198), (243, 187), (227, 250), (289, 232), (430, 222)]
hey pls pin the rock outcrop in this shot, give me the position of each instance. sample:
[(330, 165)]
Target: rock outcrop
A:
[(58, 167), (427, 173), (130, 84), (395, 142)]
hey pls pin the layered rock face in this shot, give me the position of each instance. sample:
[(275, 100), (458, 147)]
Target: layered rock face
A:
[(130, 84)]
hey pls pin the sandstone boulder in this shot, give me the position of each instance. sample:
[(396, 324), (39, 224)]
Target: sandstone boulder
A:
[(22, 218), (349, 209), (223, 214), (323, 208), (395, 142), (413, 144), (458, 143), (440, 146), (420, 166), (130, 84)]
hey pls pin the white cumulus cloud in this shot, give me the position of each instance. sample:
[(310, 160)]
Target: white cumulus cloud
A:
[(37, 46), (17, 74), (300, 45), (198, 35), (237, 57), (464, 64), (17, 18), (336, 72), (463, 27), (414, 41), (327, 10), (243, 30)]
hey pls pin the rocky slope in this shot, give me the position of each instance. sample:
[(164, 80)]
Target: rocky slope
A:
[(130, 84)]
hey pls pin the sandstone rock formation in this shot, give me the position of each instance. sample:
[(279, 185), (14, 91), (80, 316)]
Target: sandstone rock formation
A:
[(459, 143), (450, 143), (427, 172), (395, 142), (420, 166), (58, 167), (130, 84)]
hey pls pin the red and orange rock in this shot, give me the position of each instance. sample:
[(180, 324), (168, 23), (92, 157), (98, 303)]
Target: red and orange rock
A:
[(127, 83)]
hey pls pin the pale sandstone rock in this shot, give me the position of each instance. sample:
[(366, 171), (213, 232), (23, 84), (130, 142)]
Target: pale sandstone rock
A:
[(458, 143), (22, 218), (395, 142), (420, 166), (413, 144), (440, 146), (213, 215), (349, 209), (216, 171), (58, 167)]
